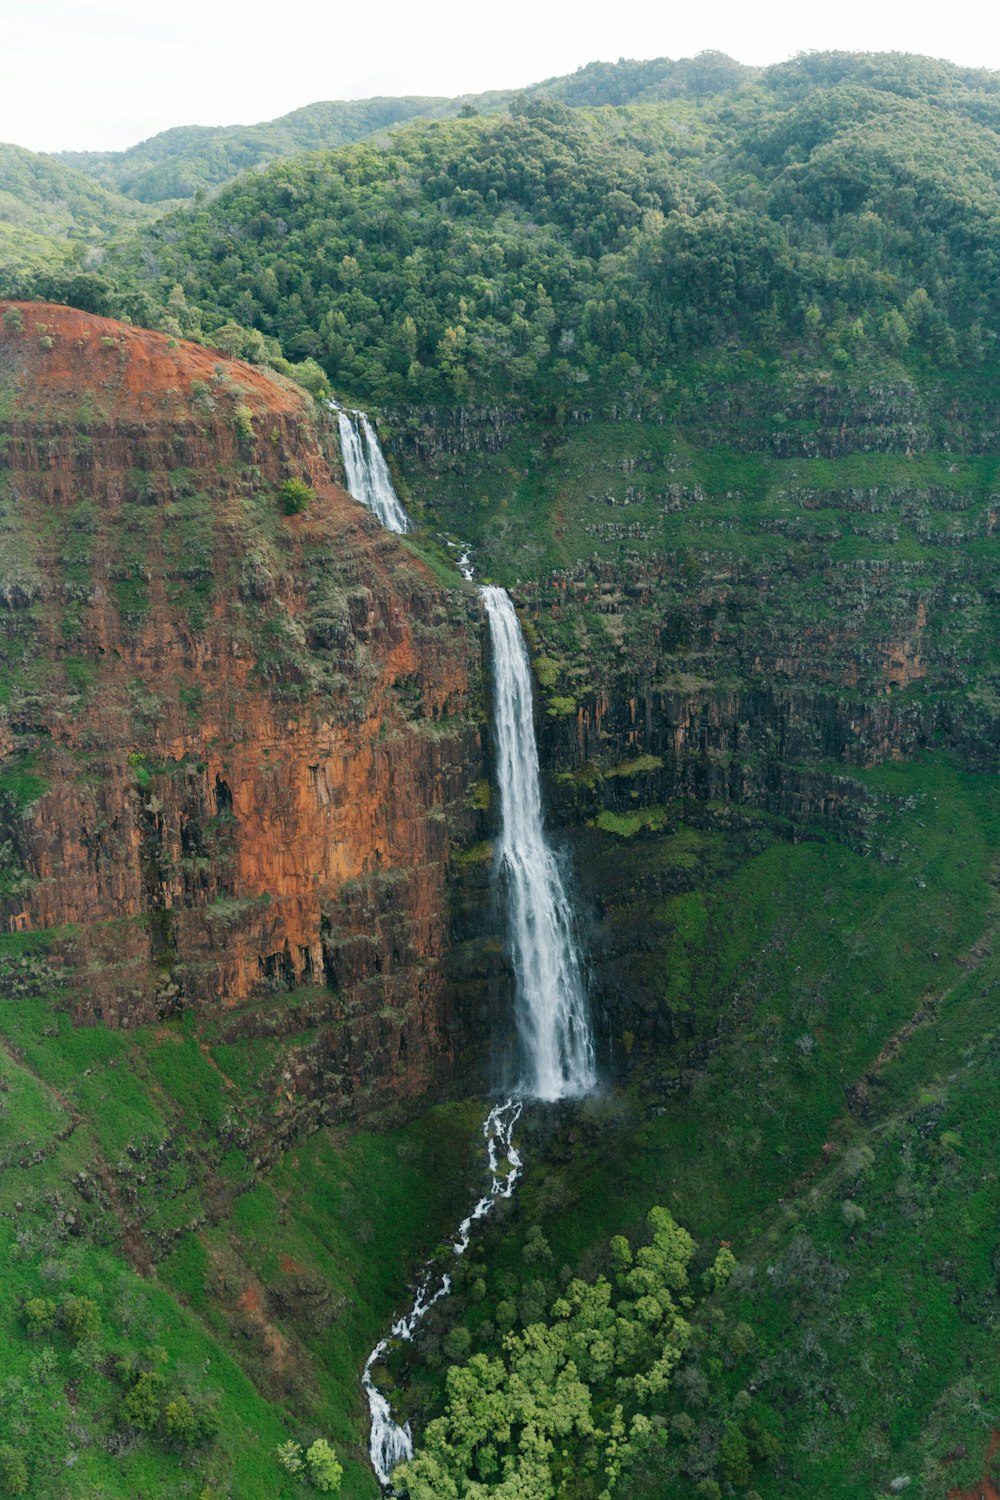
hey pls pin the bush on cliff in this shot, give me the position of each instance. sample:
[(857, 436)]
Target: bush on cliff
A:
[(296, 496)]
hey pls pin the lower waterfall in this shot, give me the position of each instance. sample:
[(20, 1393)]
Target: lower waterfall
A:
[(556, 1043)]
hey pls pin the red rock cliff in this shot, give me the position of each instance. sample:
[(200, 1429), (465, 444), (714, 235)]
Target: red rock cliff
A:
[(236, 743)]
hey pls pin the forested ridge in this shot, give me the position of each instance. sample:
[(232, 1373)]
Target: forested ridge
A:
[(601, 230), (190, 159), (844, 205)]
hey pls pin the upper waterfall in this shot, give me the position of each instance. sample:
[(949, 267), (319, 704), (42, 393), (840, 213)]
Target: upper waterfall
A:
[(366, 471), (551, 1005)]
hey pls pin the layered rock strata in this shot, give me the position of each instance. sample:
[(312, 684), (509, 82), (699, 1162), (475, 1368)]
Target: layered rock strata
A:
[(236, 742)]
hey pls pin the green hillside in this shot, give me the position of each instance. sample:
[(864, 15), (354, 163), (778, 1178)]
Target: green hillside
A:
[(559, 255), (188, 159), (52, 215)]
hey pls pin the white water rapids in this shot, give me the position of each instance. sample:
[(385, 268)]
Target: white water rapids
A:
[(366, 472), (389, 1444), (557, 1050)]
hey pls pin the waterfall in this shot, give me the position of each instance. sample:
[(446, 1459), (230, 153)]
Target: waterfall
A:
[(366, 471), (551, 1008)]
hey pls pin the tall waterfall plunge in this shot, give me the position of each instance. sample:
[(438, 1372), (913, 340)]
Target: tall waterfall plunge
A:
[(551, 1008), (366, 471), (553, 1027)]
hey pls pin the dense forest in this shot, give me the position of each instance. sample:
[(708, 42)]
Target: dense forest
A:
[(839, 203), (827, 204)]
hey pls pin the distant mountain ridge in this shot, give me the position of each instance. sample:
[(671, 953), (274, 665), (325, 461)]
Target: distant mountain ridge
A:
[(177, 163)]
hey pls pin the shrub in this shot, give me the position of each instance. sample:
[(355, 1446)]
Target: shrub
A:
[(207, 1422), (13, 1472), (39, 1314), (741, 1339), (202, 399), (536, 1246), (308, 374), (296, 496), (12, 318), (324, 1470), (243, 421), (457, 1344), (180, 1421), (141, 1406), (81, 1318), (289, 1456), (683, 1424), (734, 1453), (719, 1272)]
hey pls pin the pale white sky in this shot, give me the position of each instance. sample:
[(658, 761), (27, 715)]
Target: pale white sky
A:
[(102, 74)]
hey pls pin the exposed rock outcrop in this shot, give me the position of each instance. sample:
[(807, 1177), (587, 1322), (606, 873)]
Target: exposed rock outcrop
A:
[(237, 742)]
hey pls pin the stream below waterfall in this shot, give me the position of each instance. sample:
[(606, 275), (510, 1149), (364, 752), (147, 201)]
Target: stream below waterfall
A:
[(391, 1444)]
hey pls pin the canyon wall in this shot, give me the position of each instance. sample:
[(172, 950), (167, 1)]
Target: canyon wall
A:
[(735, 605), (237, 744)]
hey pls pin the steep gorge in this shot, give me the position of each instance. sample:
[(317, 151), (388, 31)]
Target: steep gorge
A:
[(244, 786), (707, 384)]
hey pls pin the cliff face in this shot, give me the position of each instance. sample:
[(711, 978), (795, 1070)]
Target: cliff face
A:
[(236, 743), (735, 604)]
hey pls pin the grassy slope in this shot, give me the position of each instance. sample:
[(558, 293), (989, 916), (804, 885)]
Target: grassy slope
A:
[(821, 957), (273, 1287)]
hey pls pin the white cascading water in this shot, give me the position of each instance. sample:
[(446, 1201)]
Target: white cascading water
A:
[(551, 1007), (557, 1048), (366, 471), (390, 1444)]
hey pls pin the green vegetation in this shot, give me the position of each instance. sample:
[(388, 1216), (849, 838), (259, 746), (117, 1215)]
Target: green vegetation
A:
[(570, 1395), (20, 782), (49, 216), (296, 496), (824, 1108), (260, 1293), (190, 159), (579, 255)]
